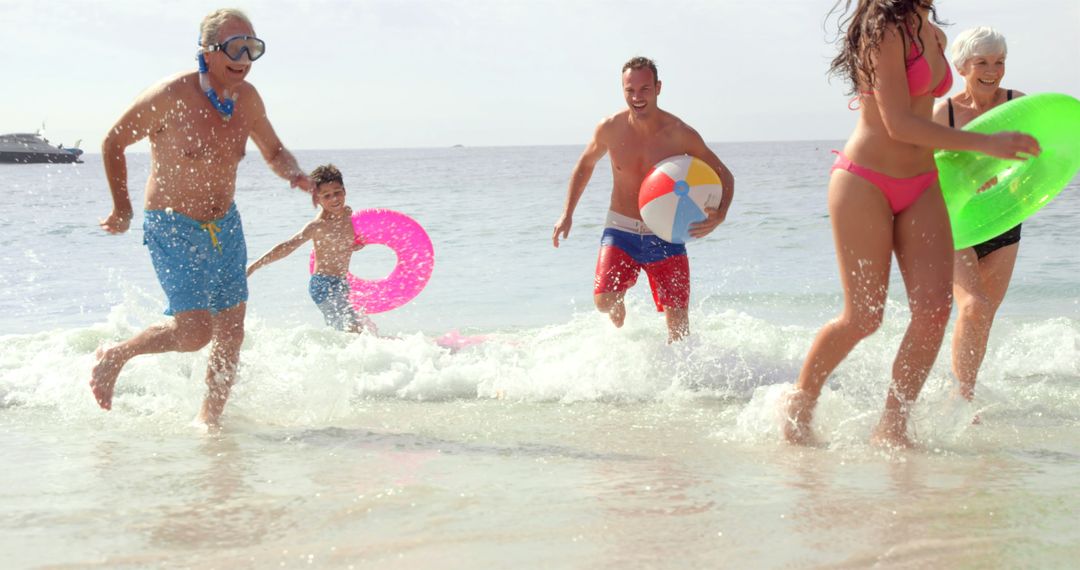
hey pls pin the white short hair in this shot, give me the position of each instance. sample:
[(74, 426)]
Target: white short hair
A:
[(211, 24), (975, 42)]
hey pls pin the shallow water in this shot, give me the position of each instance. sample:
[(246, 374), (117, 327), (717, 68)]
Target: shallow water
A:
[(559, 441)]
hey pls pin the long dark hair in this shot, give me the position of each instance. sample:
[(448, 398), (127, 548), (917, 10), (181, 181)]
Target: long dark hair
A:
[(865, 26)]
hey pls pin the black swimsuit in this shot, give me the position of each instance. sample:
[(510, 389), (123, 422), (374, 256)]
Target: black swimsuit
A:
[(1008, 238)]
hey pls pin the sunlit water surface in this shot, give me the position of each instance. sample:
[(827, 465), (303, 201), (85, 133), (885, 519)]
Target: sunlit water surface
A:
[(557, 442)]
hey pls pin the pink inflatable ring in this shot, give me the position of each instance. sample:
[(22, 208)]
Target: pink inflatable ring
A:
[(415, 260)]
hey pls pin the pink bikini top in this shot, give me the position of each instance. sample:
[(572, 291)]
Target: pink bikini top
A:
[(919, 74)]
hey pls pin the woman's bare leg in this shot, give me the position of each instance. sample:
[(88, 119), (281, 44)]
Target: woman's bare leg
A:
[(863, 234), (980, 286), (924, 253)]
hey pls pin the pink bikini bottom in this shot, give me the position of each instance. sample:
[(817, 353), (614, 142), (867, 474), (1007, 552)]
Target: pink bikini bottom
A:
[(900, 192)]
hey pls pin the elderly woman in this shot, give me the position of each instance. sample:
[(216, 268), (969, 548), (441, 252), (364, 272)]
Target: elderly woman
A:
[(981, 273)]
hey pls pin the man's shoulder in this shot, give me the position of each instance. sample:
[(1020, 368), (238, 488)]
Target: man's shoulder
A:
[(672, 121), (613, 122), (248, 97), (171, 87), (677, 127), (177, 80), (246, 88), (183, 82), (618, 118)]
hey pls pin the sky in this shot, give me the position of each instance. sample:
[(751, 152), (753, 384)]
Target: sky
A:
[(432, 73)]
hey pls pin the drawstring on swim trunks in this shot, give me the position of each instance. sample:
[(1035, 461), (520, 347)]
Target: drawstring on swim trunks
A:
[(212, 229)]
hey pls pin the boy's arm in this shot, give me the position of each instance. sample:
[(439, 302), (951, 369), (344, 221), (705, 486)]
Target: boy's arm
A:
[(282, 250), (701, 150)]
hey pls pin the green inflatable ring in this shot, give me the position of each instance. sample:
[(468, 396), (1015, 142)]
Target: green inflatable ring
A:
[(1022, 187)]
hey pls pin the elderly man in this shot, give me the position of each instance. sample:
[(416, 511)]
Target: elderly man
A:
[(198, 124)]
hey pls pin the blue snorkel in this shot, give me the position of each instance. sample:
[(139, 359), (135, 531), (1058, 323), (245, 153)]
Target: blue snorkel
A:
[(224, 107)]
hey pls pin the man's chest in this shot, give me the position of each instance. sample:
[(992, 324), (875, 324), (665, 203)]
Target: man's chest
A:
[(200, 134)]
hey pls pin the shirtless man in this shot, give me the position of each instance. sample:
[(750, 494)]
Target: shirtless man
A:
[(637, 138), (198, 124)]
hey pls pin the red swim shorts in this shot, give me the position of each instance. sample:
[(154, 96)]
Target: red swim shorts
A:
[(624, 254)]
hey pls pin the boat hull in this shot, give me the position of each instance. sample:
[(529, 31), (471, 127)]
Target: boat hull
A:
[(37, 157)]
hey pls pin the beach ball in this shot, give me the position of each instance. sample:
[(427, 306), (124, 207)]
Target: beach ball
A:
[(675, 194)]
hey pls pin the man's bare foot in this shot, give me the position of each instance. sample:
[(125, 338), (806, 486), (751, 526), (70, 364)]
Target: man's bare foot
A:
[(618, 314), (212, 408), (798, 412), (103, 377)]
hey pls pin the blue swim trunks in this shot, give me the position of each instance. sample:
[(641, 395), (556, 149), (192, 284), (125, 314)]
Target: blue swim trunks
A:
[(628, 247), (331, 295), (200, 265)]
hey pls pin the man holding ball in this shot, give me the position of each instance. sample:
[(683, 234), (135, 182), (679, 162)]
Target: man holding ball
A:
[(637, 138)]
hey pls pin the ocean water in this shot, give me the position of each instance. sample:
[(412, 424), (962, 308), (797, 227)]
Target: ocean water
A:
[(557, 442)]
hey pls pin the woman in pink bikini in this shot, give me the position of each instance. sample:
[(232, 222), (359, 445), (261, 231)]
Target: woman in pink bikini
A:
[(884, 198)]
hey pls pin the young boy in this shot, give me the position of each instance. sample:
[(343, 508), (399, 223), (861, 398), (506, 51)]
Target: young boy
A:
[(335, 241)]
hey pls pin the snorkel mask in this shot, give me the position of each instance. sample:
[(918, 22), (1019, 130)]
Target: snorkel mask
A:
[(234, 48)]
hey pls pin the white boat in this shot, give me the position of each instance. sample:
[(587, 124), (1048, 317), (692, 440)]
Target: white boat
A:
[(27, 148)]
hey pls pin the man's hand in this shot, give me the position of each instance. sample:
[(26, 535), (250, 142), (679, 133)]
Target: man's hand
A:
[(303, 182), (706, 226), (562, 227), (117, 223)]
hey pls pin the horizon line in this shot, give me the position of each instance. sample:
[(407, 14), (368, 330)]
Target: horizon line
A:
[(487, 146)]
